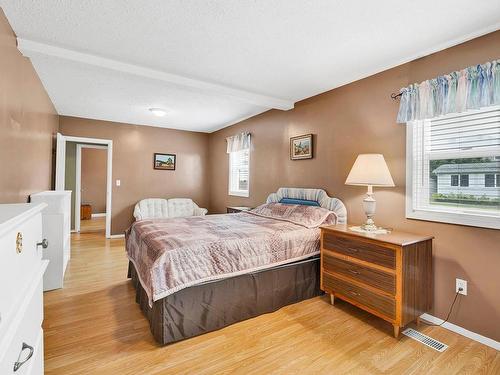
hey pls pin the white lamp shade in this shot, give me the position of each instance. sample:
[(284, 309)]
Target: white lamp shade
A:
[(370, 169)]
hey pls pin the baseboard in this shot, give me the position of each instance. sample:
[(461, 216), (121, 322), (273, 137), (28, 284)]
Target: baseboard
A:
[(99, 214), (113, 236), (462, 331)]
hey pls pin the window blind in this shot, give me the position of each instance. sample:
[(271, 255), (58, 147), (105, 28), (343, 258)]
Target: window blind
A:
[(454, 163), (477, 131)]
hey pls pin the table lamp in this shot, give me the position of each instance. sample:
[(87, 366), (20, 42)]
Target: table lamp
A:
[(370, 170)]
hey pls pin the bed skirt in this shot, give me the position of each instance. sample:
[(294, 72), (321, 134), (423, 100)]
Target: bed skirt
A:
[(216, 304)]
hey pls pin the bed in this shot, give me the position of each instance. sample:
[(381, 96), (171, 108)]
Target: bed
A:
[(198, 274)]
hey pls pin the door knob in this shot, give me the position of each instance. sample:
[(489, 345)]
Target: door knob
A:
[(44, 244)]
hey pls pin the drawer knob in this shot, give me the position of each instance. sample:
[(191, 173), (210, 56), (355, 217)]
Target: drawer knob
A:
[(19, 363), (352, 250), (354, 272), (19, 242), (44, 244)]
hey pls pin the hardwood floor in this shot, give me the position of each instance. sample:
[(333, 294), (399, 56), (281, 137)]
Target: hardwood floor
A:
[(94, 326), (96, 224)]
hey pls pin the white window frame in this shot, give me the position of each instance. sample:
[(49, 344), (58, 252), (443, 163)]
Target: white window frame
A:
[(238, 193), (459, 216)]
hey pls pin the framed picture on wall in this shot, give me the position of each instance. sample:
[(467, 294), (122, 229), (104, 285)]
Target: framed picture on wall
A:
[(164, 161), (301, 147)]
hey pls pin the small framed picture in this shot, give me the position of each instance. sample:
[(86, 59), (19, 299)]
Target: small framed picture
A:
[(301, 147), (164, 161)]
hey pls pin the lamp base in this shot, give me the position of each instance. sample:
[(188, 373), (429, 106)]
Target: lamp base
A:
[(369, 205), (369, 226), (370, 230)]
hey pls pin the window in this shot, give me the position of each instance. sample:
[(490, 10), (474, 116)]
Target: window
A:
[(489, 180), (453, 164), (239, 173), (464, 180)]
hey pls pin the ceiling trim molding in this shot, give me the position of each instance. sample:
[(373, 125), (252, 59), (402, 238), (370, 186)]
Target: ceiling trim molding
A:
[(31, 48)]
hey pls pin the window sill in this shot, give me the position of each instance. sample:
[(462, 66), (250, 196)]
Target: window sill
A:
[(460, 218), (244, 194)]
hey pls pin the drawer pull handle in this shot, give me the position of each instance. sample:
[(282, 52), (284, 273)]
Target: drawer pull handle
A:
[(19, 363), (350, 249), (354, 293), (44, 244), (354, 272)]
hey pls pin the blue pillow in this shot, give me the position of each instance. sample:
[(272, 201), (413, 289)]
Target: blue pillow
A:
[(303, 202)]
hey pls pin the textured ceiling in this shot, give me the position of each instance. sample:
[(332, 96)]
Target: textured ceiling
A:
[(281, 49), (92, 92)]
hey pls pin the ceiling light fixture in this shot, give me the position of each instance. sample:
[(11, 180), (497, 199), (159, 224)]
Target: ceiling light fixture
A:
[(158, 112)]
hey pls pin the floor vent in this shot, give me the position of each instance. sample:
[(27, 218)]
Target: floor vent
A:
[(426, 340)]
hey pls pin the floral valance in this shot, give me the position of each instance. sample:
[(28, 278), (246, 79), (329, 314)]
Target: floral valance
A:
[(471, 88), (238, 142)]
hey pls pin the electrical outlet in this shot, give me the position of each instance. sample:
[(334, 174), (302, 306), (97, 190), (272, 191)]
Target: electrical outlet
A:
[(461, 284)]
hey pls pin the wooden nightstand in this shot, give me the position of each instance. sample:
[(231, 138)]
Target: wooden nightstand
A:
[(388, 275), (236, 209)]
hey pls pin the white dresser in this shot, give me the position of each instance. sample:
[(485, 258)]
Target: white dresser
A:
[(21, 289), (56, 228)]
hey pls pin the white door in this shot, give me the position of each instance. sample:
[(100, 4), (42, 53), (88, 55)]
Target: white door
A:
[(60, 161)]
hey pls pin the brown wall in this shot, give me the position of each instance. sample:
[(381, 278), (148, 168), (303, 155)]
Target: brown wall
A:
[(133, 148), (360, 118), (94, 178), (28, 123)]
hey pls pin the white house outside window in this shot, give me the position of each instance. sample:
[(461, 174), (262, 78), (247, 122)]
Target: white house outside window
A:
[(453, 168), (238, 148)]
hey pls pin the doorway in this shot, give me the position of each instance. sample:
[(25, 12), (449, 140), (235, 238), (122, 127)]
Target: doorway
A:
[(90, 188), (69, 153)]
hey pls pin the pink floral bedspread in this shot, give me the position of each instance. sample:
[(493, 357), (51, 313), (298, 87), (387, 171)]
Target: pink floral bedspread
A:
[(173, 254)]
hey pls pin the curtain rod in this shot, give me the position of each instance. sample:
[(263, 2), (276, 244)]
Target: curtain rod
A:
[(395, 96)]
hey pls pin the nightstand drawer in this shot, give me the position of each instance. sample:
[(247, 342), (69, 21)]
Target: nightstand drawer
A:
[(369, 252), (382, 304), (373, 277)]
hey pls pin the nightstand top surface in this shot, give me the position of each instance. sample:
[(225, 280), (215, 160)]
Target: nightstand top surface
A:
[(394, 237)]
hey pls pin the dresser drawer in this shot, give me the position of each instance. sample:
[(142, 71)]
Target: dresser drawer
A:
[(34, 365), (17, 267), (27, 331), (369, 252), (373, 277), (381, 304)]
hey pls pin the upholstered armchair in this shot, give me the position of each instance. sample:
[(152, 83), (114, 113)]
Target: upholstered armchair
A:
[(167, 208)]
